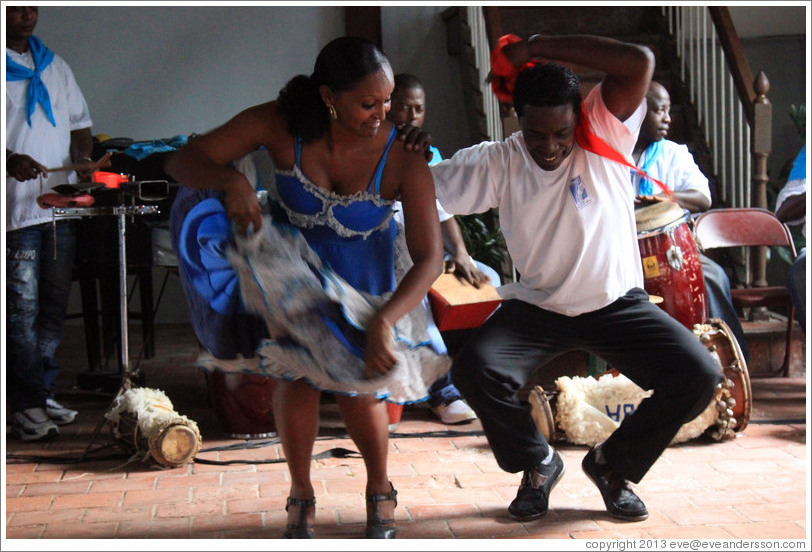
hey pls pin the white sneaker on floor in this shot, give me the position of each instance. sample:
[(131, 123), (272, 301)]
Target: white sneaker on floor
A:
[(455, 412), (58, 413), (33, 424)]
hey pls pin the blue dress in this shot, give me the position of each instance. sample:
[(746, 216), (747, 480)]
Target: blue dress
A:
[(318, 270)]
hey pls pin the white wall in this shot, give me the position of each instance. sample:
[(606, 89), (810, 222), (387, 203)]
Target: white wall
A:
[(155, 72), (414, 39)]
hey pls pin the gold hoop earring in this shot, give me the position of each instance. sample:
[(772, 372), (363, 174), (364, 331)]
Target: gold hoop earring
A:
[(332, 110)]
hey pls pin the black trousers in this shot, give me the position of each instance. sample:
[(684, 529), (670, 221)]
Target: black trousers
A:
[(632, 334)]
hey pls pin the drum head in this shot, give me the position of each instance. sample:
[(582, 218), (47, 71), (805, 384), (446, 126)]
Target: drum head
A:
[(656, 215)]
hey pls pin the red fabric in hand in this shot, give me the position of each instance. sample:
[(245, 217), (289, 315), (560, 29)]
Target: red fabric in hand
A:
[(503, 72)]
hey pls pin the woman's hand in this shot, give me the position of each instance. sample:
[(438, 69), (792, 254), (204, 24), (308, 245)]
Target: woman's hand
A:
[(379, 354), (243, 206)]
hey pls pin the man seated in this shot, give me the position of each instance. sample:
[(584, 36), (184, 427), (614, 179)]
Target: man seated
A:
[(409, 107), (673, 165)]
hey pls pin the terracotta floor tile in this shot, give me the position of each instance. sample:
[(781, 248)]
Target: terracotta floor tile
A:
[(449, 484)]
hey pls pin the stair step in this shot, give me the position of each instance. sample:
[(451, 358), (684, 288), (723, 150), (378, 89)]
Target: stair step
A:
[(766, 341)]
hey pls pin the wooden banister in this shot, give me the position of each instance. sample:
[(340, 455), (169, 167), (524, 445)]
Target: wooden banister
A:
[(735, 57)]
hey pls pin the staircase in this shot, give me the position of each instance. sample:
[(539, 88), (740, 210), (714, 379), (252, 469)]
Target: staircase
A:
[(643, 25)]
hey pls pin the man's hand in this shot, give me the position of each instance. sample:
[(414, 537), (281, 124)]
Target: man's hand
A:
[(23, 167), (415, 139), (465, 269)]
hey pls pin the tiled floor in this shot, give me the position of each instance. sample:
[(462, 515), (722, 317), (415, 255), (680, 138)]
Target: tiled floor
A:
[(80, 486)]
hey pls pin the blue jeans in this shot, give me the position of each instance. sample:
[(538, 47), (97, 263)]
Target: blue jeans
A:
[(37, 290), (796, 284), (720, 304)]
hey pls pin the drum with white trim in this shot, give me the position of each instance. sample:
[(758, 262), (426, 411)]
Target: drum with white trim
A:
[(671, 265)]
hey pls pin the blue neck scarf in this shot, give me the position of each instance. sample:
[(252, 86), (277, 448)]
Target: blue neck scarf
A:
[(37, 92), (652, 152)]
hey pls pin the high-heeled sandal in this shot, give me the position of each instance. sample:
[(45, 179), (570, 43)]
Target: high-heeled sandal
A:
[(301, 530), (378, 528)]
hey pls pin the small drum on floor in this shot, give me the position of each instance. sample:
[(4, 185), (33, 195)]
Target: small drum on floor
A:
[(671, 266), (145, 423), (586, 410)]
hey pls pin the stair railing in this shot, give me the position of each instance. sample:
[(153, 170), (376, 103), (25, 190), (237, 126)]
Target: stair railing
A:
[(732, 107), (479, 38)]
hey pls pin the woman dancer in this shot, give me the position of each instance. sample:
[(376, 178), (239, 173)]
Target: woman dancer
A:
[(337, 176)]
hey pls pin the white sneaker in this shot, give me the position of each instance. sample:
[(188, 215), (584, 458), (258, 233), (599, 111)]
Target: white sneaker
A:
[(455, 412), (33, 424), (58, 413)]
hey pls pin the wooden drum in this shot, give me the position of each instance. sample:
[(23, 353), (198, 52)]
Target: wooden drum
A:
[(671, 266), (145, 423)]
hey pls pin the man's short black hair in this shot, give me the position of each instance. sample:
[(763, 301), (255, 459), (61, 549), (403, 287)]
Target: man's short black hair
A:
[(545, 85)]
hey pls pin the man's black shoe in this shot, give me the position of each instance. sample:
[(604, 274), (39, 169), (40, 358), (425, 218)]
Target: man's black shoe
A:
[(620, 500), (534, 493)]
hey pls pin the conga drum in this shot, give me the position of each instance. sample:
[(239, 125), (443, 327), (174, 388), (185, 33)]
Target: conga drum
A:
[(243, 403), (671, 266)]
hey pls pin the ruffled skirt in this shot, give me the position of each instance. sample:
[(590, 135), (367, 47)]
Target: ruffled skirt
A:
[(316, 320)]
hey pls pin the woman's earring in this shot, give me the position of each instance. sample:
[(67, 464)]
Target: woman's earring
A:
[(332, 110)]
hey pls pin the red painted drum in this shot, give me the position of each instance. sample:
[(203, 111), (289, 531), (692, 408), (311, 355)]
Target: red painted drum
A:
[(243, 403), (671, 266)]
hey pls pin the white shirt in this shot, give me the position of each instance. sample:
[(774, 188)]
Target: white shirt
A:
[(675, 167), (46, 144), (571, 232), (792, 188)]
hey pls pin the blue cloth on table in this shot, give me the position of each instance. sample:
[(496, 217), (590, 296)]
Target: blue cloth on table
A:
[(142, 150)]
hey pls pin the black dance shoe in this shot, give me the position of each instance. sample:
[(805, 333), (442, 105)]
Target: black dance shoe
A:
[(301, 530), (533, 498), (620, 500), (378, 528)]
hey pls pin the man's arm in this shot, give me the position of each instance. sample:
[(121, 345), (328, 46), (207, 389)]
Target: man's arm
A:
[(462, 265), (628, 67), (81, 149), (693, 200)]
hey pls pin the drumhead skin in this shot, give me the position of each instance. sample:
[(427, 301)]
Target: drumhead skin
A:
[(175, 446), (657, 215)]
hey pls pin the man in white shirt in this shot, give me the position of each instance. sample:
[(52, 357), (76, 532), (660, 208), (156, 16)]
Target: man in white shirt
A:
[(47, 125), (567, 215), (673, 165)]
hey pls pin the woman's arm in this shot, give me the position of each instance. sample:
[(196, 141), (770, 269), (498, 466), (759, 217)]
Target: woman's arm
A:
[(204, 161), (422, 230)]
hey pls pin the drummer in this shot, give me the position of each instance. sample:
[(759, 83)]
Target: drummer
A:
[(567, 215), (47, 125), (674, 165)]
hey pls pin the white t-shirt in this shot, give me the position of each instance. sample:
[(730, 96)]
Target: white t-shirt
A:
[(792, 188), (675, 167), (571, 232), (47, 144)]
